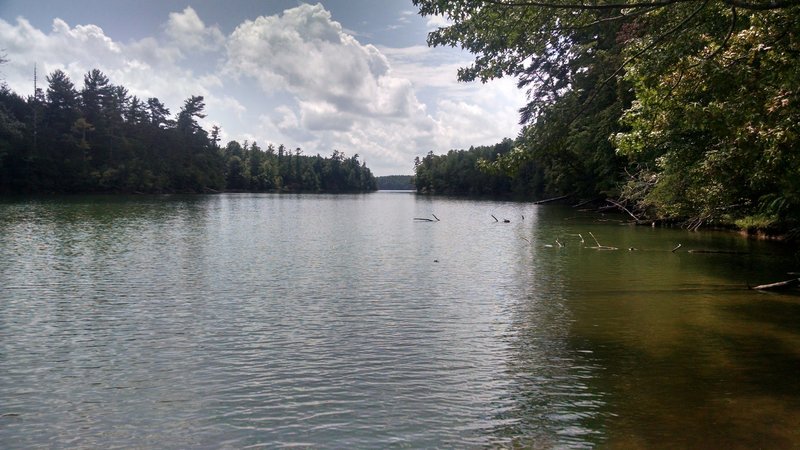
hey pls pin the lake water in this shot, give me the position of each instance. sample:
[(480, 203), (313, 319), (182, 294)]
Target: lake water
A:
[(250, 320)]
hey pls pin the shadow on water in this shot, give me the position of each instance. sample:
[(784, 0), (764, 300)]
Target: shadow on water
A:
[(713, 369), (648, 348), (775, 310), (739, 394)]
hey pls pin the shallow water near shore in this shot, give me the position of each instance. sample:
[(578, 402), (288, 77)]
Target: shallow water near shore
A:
[(240, 320)]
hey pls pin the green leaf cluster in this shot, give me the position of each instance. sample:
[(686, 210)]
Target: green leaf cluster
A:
[(683, 109)]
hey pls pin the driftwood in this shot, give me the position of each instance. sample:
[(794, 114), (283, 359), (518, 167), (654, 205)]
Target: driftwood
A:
[(600, 246), (425, 219), (554, 199), (723, 252), (558, 244), (777, 286), (618, 205), (578, 235), (584, 203), (495, 218), (695, 224)]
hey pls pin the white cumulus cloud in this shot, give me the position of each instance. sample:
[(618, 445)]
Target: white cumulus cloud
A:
[(297, 78), (307, 53), (190, 33)]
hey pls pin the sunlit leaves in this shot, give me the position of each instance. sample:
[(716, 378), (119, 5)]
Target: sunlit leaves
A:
[(722, 129)]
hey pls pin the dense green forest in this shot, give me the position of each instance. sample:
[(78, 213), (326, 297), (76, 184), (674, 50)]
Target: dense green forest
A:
[(395, 182), (461, 172), (684, 110), (102, 139)]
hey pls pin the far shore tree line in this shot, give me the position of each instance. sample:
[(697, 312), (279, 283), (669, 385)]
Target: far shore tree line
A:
[(102, 139), (681, 110)]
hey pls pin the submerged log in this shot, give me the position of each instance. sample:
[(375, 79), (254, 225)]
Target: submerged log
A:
[(425, 219), (599, 245), (554, 199), (777, 286), (724, 252), (584, 203)]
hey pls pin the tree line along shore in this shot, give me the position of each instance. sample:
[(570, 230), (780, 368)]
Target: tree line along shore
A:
[(102, 139)]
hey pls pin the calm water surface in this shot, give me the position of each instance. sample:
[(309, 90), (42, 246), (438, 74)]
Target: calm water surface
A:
[(247, 320)]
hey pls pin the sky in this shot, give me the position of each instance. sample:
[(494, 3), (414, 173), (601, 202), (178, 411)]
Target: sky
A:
[(352, 75)]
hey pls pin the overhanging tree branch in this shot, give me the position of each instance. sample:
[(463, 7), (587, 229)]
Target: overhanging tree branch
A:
[(589, 7), (762, 6), (648, 47), (727, 36)]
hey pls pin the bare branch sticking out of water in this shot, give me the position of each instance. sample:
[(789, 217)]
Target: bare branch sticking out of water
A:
[(622, 207), (599, 245), (777, 286), (724, 252), (578, 235), (554, 199)]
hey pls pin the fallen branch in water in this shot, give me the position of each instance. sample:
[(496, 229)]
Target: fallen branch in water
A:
[(424, 219), (554, 199), (578, 235), (637, 219), (558, 244), (695, 224), (584, 203), (777, 286), (724, 252), (599, 245)]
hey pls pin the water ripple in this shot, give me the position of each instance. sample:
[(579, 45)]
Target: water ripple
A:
[(217, 322)]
